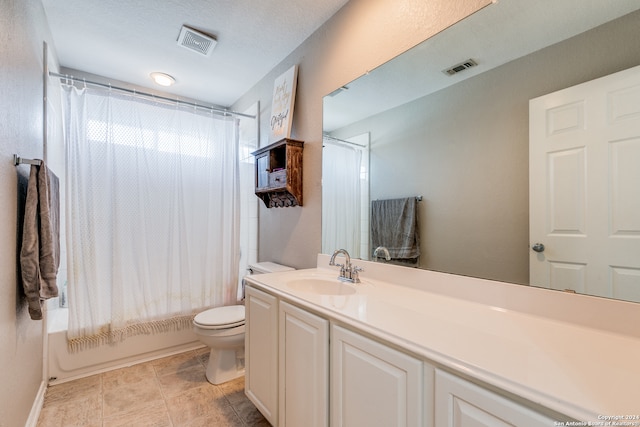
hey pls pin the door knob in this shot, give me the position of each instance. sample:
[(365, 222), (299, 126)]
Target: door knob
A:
[(538, 247)]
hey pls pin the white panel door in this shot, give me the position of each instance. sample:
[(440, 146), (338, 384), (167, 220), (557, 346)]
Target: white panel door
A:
[(460, 403), (372, 384), (261, 352), (584, 195), (304, 368)]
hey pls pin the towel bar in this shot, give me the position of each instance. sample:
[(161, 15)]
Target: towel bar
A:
[(418, 199), (17, 160)]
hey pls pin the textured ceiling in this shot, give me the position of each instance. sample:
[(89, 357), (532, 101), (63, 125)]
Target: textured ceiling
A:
[(128, 39)]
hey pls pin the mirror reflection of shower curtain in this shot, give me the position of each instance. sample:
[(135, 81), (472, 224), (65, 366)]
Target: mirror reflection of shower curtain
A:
[(341, 198)]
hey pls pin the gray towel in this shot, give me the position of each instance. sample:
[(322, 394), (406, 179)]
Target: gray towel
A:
[(40, 251), (394, 225)]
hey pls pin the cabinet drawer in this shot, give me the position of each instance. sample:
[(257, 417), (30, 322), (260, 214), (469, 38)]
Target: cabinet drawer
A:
[(278, 179)]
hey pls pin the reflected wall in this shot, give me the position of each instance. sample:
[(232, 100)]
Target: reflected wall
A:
[(465, 150)]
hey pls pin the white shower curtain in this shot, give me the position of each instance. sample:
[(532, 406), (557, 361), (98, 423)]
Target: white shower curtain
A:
[(152, 214), (341, 200)]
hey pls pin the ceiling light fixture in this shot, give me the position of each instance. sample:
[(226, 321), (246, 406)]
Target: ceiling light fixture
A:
[(162, 79)]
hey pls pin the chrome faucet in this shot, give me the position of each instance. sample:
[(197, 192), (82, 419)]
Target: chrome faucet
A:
[(384, 250), (348, 273)]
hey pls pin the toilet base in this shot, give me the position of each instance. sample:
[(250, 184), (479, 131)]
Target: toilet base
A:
[(225, 365)]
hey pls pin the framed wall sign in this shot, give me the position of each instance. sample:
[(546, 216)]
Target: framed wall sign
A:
[(284, 94)]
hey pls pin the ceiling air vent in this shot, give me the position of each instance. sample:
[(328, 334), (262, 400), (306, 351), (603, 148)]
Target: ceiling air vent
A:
[(196, 41), (460, 67)]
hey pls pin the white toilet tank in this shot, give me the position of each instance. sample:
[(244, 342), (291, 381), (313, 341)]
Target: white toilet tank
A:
[(267, 267), (264, 267)]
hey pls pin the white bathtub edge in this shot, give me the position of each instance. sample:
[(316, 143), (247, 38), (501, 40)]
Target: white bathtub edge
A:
[(65, 366)]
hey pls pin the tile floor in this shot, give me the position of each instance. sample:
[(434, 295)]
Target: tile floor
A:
[(168, 392)]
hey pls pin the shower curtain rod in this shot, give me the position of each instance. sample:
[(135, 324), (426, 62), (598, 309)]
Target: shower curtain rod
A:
[(333, 138), (150, 95)]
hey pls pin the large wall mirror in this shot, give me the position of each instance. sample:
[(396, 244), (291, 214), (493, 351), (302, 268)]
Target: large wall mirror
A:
[(460, 141)]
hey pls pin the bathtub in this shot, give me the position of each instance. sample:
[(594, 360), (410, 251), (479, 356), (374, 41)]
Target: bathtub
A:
[(65, 366)]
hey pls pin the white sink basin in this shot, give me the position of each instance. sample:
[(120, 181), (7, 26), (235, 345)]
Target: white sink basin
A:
[(322, 287)]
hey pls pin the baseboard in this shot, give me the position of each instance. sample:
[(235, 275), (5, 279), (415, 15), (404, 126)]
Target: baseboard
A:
[(36, 408)]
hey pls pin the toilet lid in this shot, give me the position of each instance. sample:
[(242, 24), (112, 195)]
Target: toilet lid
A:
[(221, 317)]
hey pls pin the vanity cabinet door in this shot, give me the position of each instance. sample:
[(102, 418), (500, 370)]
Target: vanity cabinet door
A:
[(460, 403), (261, 352), (373, 384), (304, 368)]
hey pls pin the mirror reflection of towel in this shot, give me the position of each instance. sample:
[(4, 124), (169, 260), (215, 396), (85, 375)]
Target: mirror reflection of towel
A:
[(40, 250), (394, 225)]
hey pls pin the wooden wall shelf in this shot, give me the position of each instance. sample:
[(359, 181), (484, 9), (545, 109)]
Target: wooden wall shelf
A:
[(279, 173)]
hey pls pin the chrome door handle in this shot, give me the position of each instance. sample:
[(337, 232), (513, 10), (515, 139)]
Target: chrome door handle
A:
[(538, 247)]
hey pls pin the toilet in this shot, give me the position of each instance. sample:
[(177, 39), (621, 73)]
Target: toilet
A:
[(222, 330)]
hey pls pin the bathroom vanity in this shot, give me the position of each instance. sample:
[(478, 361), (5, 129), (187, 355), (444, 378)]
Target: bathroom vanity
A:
[(419, 348)]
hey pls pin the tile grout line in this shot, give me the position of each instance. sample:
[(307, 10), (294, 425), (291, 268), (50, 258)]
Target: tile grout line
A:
[(102, 399), (156, 377)]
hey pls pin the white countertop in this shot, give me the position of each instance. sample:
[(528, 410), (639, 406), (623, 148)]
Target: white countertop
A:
[(577, 370)]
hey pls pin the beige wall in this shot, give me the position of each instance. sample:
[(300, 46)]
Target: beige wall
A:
[(23, 29), (465, 149), (361, 36)]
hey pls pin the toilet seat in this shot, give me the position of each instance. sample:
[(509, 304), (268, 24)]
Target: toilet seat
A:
[(220, 317)]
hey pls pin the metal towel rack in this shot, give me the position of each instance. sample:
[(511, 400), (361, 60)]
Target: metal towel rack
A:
[(17, 160), (418, 199)]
